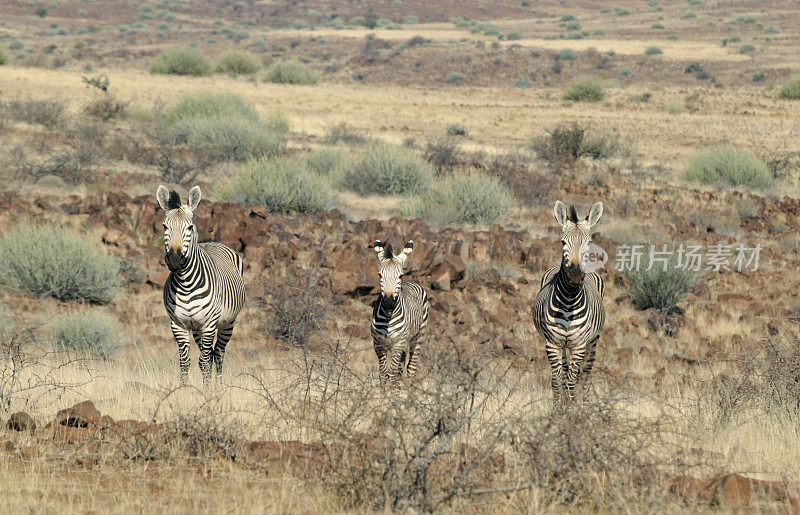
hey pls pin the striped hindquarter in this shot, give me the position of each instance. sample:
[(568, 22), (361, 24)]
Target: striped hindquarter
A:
[(397, 330), (570, 317)]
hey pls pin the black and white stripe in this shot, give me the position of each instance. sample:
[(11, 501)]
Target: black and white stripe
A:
[(568, 311), (399, 317), (205, 289)]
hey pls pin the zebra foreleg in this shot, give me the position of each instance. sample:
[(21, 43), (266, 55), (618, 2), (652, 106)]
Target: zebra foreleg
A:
[(576, 362), (413, 359), (556, 357), (380, 351), (398, 351), (183, 338), (209, 335), (223, 337), (588, 363)]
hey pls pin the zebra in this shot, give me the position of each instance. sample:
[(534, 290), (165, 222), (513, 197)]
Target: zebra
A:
[(568, 311), (399, 317), (205, 288)]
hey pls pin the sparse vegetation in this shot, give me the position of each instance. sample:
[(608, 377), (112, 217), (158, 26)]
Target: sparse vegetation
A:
[(472, 198), (238, 62), (3, 57), (326, 160), (566, 54), (585, 89), (290, 72), (87, 331), (728, 165), (61, 263), (223, 126), (790, 90), (181, 61), (653, 50), (454, 78), (385, 169), (659, 288), (281, 184)]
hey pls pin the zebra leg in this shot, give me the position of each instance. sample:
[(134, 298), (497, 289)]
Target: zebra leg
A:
[(206, 349), (574, 369), (380, 350), (555, 355), (398, 351), (588, 363), (183, 338), (223, 337), (413, 359)]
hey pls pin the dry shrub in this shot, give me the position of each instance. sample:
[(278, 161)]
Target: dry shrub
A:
[(294, 309)]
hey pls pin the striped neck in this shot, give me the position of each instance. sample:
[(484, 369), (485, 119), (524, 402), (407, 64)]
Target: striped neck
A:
[(184, 272), (565, 285)]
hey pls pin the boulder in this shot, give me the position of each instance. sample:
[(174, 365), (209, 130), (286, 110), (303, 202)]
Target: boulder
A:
[(83, 414), (21, 421)]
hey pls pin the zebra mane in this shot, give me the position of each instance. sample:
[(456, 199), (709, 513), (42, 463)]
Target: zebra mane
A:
[(174, 201), (572, 215), (387, 251)]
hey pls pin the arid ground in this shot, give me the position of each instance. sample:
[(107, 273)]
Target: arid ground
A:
[(694, 402)]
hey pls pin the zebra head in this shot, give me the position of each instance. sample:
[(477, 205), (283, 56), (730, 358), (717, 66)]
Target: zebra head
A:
[(179, 232), (575, 237), (391, 267)]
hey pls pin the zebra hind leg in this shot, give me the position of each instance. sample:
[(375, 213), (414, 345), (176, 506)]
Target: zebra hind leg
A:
[(223, 337), (380, 350), (183, 338), (396, 363), (413, 359), (588, 364)]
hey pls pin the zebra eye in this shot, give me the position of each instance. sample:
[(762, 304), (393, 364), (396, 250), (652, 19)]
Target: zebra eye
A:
[(190, 227), (164, 226)]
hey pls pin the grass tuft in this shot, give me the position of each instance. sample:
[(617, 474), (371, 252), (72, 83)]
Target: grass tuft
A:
[(728, 165)]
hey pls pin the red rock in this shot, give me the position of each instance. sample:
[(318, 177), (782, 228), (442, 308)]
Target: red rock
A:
[(6, 445), (71, 434), (21, 421), (82, 414)]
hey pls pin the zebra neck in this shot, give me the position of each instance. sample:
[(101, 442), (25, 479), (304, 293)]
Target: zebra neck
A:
[(565, 286), (388, 307), (186, 272)]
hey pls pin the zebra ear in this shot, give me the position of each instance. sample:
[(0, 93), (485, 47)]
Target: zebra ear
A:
[(194, 197), (378, 246), (407, 249), (560, 211), (162, 194), (595, 213)]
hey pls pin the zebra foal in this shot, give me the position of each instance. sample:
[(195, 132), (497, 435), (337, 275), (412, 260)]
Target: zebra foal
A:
[(205, 288), (568, 311), (399, 317)]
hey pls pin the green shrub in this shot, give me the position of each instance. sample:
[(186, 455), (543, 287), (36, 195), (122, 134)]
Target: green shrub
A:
[(3, 57), (661, 289), (514, 35), (657, 26), (290, 72), (568, 17), (325, 160), (747, 48), (791, 90), (300, 24), (385, 169), (281, 184), (238, 62), (410, 20), (51, 261), (181, 61), (625, 72), (228, 137), (454, 78), (224, 126), (585, 89), (207, 104), (566, 54), (473, 198), (653, 50), (729, 165), (92, 331), (573, 26)]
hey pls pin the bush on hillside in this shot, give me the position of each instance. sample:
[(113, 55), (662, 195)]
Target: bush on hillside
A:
[(385, 169), (181, 61), (52, 261)]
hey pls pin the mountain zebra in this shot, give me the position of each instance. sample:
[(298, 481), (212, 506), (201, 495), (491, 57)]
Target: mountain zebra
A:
[(568, 311), (205, 289), (399, 317)]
